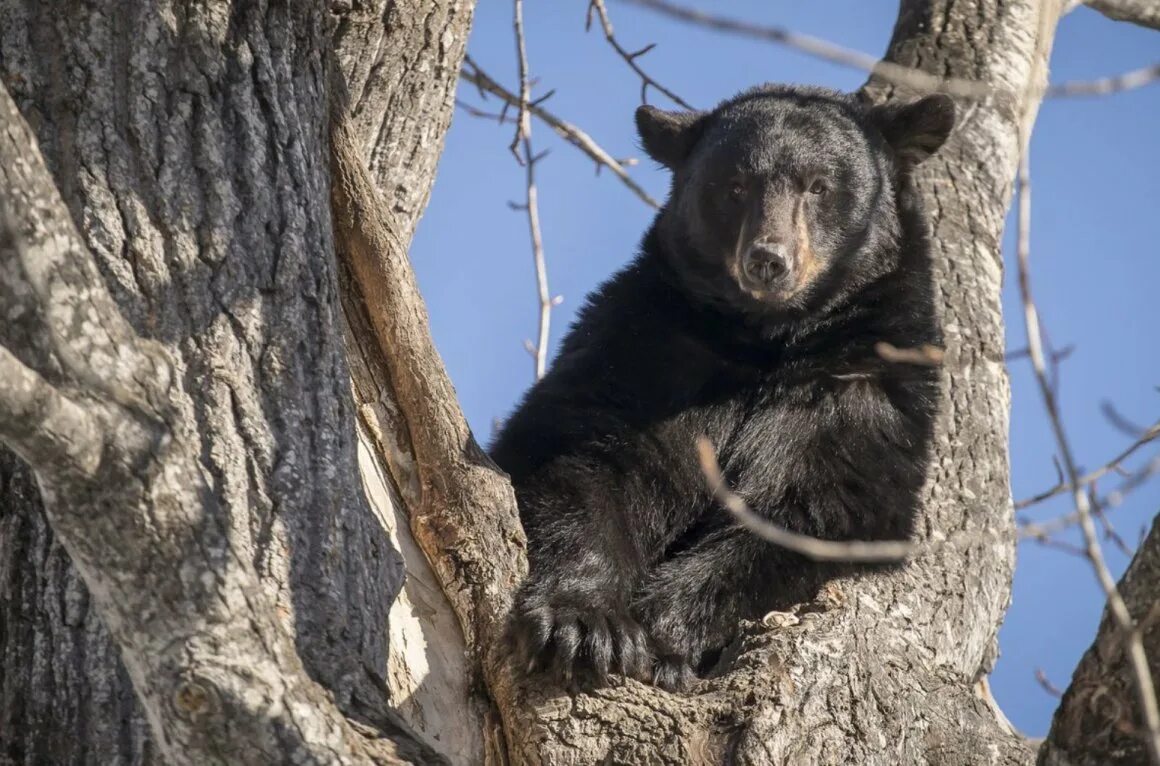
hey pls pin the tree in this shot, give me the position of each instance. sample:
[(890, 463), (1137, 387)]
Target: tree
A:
[(189, 568)]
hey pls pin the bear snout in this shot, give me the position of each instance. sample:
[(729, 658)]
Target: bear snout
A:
[(766, 264)]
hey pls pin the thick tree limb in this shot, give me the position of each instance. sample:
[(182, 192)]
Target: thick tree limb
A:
[(1099, 720), (215, 670), (1145, 13), (43, 425), (463, 513)]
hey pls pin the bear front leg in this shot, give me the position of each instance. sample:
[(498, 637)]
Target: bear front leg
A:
[(571, 616)]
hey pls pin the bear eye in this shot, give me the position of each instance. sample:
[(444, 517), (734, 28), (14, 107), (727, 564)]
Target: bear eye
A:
[(737, 191), (819, 187)]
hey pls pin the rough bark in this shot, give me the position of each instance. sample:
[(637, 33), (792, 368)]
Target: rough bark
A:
[(190, 146), (398, 63), (1146, 13), (189, 143), (1098, 720)]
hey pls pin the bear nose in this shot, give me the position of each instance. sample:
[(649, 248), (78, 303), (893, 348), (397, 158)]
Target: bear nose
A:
[(767, 261)]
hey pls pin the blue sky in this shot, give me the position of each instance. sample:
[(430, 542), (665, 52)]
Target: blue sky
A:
[(1096, 225)]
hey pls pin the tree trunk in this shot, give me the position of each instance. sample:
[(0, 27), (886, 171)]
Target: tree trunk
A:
[(214, 158), (189, 142)]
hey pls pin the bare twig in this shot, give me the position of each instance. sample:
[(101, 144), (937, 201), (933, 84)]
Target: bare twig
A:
[(630, 58), (1137, 78), (539, 350), (1045, 682), (523, 123), (925, 356), (1142, 676), (522, 149), (1121, 422), (1112, 499), (569, 132), (810, 547), (1084, 481)]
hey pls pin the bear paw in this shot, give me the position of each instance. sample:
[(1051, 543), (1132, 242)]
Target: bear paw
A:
[(577, 642), (672, 672)]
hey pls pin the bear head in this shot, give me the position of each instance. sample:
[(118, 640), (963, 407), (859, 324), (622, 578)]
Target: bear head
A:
[(785, 198)]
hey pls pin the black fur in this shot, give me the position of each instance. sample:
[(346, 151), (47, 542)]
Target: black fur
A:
[(790, 245)]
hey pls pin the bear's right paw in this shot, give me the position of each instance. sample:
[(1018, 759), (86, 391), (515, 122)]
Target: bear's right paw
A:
[(577, 642)]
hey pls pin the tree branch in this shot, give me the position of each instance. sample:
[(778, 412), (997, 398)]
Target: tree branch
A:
[(41, 424), (1145, 13), (1098, 720), (569, 132), (1086, 480), (465, 519), (1137, 78), (630, 58), (523, 143), (810, 547)]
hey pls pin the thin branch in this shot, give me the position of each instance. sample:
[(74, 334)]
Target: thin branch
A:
[(630, 57), (1137, 78), (1141, 673), (1084, 481), (531, 206), (810, 547), (1038, 530), (522, 149), (523, 123), (1045, 682), (567, 131)]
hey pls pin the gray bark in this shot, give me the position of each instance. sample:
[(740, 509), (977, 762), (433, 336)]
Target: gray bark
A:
[(1098, 721), (189, 143), (1146, 13), (193, 430)]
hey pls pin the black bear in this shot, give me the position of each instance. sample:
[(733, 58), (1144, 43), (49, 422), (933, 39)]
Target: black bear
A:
[(791, 244)]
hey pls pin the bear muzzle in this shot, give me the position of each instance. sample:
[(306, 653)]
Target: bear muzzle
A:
[(767, 266)]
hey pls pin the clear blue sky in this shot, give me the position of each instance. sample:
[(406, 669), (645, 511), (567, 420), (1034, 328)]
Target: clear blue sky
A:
[(1096, 168)]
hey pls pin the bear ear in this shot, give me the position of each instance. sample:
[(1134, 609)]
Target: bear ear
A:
[(916, 130), (668, 137)]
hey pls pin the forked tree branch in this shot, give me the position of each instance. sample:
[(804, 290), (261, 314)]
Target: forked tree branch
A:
[(566, 130)]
